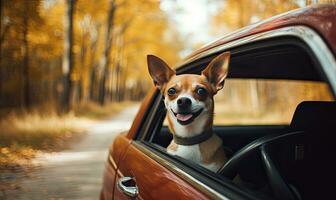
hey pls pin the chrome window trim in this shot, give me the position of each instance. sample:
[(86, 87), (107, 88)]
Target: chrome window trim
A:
[(182, 174), (306, 34)]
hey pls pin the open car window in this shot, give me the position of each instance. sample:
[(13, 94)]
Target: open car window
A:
[(265, 101)]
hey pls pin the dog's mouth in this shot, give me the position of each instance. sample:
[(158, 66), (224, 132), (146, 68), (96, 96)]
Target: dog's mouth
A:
[(185, 118)]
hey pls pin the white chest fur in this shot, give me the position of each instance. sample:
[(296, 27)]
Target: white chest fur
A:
[(193, 153)]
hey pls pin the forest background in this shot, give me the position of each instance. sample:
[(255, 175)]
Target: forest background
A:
[(64, 62)]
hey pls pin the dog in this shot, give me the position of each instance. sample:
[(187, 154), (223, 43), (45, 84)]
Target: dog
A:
[(189, 101)]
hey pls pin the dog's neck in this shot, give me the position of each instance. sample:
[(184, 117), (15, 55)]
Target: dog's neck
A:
[(198, 131), (188, 141)]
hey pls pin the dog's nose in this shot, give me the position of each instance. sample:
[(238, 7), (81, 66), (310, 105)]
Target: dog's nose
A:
[(184, 101)]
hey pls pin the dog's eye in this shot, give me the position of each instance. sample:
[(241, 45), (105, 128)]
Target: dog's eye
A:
[(201, 91), (171, 91)]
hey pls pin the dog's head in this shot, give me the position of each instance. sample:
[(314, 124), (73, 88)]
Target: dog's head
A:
[(189, 97)]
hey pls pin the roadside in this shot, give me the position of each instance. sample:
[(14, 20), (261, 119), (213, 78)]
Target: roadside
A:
[(22, 135), (74, 173)]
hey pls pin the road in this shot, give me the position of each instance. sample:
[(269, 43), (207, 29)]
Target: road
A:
[(75, 173)]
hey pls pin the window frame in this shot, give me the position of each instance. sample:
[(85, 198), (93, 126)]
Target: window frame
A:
[(317, 48), (199, 177)]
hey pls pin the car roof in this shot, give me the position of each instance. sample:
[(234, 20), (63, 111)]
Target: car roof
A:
[(320, 18)]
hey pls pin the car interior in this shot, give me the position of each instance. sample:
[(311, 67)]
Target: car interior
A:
[(280, 161)]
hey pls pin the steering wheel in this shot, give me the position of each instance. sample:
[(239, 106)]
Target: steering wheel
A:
[(262, 146)]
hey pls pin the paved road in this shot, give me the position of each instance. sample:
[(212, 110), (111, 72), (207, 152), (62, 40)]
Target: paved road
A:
[(76, 173)]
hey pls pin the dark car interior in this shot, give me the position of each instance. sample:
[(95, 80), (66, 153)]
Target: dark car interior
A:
[(303, 151), (277, 161)]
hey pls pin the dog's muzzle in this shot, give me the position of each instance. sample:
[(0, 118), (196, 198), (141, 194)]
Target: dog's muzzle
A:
[(185, 118)]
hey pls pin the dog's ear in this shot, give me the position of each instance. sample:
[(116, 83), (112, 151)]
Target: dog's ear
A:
[(159, 71), (217, 71)]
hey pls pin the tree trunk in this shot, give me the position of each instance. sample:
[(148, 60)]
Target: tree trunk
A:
[(108, 45), (101, 95), (1, 51), (93, 65), (83, 92), (25, 72), (67, 65), (92, 83), (3, 27)]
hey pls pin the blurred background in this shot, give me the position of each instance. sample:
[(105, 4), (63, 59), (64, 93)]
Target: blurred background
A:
[(61, 53), (66, 64), (62, 60)]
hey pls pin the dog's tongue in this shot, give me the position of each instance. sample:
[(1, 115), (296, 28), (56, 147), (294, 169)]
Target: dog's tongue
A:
[(183, 117)]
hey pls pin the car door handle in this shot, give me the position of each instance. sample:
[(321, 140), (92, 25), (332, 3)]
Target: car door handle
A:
[(128, 186)]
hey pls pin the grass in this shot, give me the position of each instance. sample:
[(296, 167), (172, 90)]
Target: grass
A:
[(95, 111), (22, 135)]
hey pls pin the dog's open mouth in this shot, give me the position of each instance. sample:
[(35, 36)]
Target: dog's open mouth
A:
[(187, 118)]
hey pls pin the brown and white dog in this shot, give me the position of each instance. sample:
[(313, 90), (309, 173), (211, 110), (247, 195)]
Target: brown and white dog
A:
[(190, 107)]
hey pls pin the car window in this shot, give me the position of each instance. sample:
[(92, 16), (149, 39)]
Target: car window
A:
[(265, 102)]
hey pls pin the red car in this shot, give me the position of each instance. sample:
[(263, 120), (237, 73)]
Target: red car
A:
[(276, 116)]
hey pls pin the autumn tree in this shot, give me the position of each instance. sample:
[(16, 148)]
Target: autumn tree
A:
[(18, 22), (0, 46), (157, 36), (234, 14), (105, 59), (120, 32), (67, 65), (25, 64)]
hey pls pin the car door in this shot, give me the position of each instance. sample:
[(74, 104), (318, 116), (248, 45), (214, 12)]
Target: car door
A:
[(152, 179)]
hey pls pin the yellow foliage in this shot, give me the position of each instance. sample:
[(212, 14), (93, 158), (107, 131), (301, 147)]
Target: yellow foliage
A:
[(139, 27), (235, 14)]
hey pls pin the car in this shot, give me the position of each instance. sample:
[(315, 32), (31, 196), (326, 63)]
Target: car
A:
[(276, 116)]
